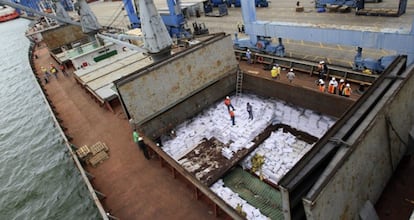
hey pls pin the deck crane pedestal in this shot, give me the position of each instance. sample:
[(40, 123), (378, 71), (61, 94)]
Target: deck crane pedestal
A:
[(174, 21)]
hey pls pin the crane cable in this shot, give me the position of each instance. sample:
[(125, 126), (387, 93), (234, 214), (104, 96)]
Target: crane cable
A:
[(115, 17)]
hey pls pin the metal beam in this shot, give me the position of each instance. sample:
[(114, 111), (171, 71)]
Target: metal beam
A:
[(27, 9)]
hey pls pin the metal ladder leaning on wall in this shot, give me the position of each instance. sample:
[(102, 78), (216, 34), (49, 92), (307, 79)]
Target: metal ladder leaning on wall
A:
[(239, 82)]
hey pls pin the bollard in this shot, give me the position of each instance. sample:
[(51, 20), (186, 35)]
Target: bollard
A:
[(100, 195)]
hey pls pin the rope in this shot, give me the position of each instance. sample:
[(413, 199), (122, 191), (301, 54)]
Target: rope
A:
[(116, 16)]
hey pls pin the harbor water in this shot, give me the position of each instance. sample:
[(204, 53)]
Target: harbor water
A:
[(38, 178)]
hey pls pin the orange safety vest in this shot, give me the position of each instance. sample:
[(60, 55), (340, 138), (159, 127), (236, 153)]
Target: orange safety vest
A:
[(347, 92), (322, 88), (331, 88)]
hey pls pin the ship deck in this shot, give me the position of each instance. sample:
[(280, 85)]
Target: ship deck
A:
[(136, 188)]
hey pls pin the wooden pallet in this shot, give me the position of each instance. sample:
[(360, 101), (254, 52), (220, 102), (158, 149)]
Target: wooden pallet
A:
[(83, 151), (98, 147), (98, 158)]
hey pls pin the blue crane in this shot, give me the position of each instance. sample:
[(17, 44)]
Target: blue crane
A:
[(174, 21)]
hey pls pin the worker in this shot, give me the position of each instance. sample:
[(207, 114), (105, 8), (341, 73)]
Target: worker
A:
[(366, 71), (249, 56), (45, 72), (232, 117), (63, 69), (143, 147), (249, 110), (335, 83), (227, 102), (140, 142), (347, 90), (239, 27), (323, 69), (275, 72), (332, 86), (321, 85), (53, 70), (290, 75), (341, 86)]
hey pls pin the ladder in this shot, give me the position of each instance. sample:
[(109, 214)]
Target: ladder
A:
[(239, 82)]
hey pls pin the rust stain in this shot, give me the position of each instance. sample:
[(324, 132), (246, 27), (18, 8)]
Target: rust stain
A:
[(175, 88), (345, 214)]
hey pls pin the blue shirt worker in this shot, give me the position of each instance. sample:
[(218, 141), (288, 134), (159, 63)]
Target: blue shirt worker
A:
[(249, 56)]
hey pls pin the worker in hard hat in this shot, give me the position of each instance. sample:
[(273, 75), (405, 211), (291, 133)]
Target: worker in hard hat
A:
[(143, 147), (228, 104), (290, 75), (341, 86), (366, 71), (333, 84), (275, 72), (322, 68), (46, 74), (347, 90), (249, 56), (321, 85), (140, 142)]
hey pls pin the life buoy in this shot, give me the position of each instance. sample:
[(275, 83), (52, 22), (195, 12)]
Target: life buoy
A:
[(259, 45), (260, 59)]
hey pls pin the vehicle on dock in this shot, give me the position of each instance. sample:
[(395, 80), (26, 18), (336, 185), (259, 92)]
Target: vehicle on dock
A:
[(7, 13)]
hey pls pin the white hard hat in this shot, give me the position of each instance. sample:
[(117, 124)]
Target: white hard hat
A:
[(342, 80), (140, 138), (248, 50), (322, 62), (333, 78), (274, 67), (227, 97), (291, 69), (322, 82), (347, 85)]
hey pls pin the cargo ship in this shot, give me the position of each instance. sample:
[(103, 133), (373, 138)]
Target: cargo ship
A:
[(7, 13), (87, 123)]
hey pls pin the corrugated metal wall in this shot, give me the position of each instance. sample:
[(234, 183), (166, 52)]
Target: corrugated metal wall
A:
[(360, 172), (155, 89)]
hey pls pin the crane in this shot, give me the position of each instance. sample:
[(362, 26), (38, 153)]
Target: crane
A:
[(399, 41), (174, 21), (156, 38)]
